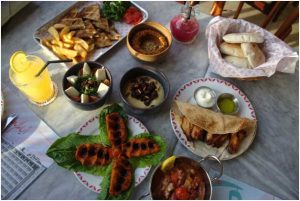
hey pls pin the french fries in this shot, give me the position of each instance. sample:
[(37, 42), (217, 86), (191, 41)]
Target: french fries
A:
[(79, 32), (65, 45), (64, 31), (59, 26), (54, 33), (82, 52), (82, 42), (66, 52)]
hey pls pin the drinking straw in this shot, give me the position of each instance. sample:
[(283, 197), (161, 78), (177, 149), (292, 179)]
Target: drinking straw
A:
[(50, 62)]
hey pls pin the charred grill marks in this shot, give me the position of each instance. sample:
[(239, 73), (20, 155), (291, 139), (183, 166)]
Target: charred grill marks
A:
[(121, 176), (116, 129), (139, 147), (92, 154), (83, 151)]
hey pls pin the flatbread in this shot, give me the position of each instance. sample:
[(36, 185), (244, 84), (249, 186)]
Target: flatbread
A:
[(91, 12), (232, 49), (237, 61), (243, 38), (254, 54), (203, 117), (214, 122), (73, 23)]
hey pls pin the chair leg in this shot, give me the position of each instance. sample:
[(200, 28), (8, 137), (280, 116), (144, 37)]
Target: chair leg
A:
[(238, 11), (286, 27), (217, 8), (284, 4), (271, 14)]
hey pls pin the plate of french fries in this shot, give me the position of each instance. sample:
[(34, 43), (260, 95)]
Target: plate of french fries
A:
[(82, 33)]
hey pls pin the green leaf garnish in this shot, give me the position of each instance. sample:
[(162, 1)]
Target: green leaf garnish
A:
[(114, 10)]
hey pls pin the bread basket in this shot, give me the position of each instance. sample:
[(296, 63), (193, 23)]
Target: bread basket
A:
[(279, 56)]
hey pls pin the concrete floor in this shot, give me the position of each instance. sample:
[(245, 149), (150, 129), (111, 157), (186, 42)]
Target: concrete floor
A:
[(252, 15)]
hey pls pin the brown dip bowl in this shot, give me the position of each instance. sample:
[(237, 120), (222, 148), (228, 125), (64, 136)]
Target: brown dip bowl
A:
[(137, 47)]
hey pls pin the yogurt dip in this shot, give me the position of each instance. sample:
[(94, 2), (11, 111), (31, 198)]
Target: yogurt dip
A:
[(205, 97)]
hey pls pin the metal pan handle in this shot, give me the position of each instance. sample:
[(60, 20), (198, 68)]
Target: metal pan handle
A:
[(220, 164), (142, 197)]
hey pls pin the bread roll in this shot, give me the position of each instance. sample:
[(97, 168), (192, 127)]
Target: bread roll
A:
[(243, 38), (254, 55), (238, 62), (232, 49)]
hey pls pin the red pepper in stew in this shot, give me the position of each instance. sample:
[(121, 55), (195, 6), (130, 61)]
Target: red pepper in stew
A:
[(182, 193), (132, 16)]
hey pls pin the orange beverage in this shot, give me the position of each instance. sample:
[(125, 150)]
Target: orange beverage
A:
[(22, 73)]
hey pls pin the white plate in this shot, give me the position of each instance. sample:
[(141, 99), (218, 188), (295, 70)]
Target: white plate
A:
[(186, 94), (91, 126)]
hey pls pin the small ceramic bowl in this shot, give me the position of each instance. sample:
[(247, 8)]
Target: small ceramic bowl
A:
[(143, 71), (151, 26), (213, 94), (74, 70), (230, 97)]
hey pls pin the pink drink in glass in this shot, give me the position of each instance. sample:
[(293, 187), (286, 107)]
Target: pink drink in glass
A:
[(184, 30)]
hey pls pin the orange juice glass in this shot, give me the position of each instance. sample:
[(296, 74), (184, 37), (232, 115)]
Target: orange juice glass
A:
[(39, 90)]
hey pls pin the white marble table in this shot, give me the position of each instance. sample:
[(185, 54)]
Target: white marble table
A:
[(272, 162)]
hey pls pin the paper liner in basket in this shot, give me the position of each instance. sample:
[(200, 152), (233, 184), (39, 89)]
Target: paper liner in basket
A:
[(279, 56)]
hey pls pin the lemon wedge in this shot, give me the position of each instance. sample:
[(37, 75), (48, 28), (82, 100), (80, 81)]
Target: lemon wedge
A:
[(18, 61), (168, 164)]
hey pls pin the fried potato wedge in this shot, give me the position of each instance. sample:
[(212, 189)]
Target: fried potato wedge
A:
[(64, 31), (68, 38), (59, 26), (64, 51), (57, 52), (82, 42), (46, 42), (58, 43), (68, 45), (54, 33), (81, 51)]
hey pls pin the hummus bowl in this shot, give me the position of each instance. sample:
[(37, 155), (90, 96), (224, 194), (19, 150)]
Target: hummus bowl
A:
[(143, 90), (149, 41)]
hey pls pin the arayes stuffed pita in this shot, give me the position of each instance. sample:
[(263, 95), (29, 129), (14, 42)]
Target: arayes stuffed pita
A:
[(213, 128)]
